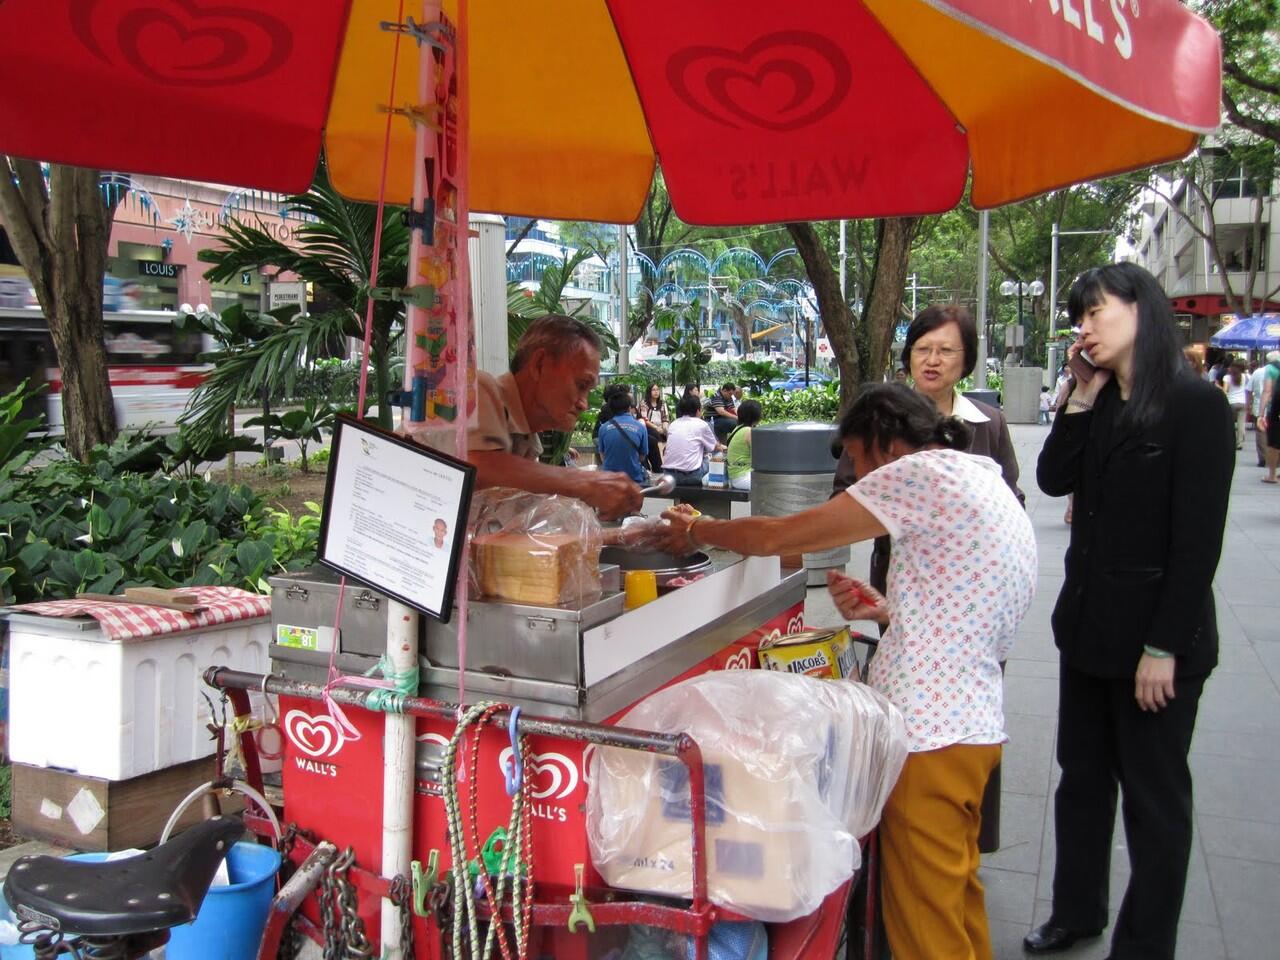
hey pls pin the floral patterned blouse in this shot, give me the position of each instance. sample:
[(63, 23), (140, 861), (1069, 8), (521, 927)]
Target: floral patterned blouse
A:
[(961, 577)]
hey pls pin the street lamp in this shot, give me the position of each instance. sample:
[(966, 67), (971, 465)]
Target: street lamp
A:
[(1021, 288)]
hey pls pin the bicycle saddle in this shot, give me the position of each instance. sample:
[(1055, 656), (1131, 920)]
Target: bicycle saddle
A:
[(151, 891)]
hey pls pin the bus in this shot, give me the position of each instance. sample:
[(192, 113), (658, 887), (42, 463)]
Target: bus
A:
[(153, 367)]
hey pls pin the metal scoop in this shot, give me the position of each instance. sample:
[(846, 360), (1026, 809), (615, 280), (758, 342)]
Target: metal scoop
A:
[(665, 485)]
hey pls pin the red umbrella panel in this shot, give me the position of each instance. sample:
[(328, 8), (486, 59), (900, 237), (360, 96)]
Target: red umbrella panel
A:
[(757, 112)]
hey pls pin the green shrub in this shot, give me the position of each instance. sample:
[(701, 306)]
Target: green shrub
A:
[(68, 527), (821, 403)]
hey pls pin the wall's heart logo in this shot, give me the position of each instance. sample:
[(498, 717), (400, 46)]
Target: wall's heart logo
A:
[(780, 81), (314, 736), (796, 623), (179, 42), (739, 661), (554, 775)]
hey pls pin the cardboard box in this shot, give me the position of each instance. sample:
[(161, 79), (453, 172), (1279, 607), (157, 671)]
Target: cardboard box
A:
[(827, 654), (90, 813)]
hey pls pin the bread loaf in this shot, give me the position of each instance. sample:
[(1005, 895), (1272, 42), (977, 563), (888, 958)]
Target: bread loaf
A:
[(543, 570)]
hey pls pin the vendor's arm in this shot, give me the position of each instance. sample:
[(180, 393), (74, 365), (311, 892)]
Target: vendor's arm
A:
[(839, 521), (613, 494)]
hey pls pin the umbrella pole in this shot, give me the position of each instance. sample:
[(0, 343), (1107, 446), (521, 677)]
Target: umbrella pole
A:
[(402, 621)]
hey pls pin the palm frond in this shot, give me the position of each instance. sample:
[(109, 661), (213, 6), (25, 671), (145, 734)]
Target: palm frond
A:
[(239, 373)]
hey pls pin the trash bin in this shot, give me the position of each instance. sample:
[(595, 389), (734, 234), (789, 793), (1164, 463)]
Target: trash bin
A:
[(990, 397), (791, 470), (232, 918)]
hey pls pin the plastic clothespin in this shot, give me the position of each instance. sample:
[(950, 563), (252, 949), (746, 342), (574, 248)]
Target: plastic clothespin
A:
[(420, 296), (581, 913), (424, 220), (428, 116), (493, 850), (427, 33), (513, 769), (424, 882)]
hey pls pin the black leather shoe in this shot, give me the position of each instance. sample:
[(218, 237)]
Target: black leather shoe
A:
[(1050, 938)]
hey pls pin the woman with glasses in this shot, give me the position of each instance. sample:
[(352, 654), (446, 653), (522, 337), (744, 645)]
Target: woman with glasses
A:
[(941, 349)]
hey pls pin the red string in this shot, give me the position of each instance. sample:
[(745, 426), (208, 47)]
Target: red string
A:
[(334, 678)]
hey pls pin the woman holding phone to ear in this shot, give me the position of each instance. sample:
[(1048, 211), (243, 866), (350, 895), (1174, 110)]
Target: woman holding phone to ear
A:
[(1148, 450)]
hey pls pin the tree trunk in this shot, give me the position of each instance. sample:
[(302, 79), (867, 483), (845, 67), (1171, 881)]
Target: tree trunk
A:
[(88, 412), (60, 236), (837, 320), (884, 298)]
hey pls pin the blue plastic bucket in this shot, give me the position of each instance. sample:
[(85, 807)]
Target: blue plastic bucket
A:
[(231, 920), (21, 951)]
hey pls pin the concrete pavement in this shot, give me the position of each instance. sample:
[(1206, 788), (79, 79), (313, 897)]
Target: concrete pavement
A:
[(1232, 907)]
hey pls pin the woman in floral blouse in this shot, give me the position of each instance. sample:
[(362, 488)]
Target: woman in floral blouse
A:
[(961, 578)]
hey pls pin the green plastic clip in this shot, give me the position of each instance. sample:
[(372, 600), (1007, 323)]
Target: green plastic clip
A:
[(423, 882), (422, 295), (581, 913)]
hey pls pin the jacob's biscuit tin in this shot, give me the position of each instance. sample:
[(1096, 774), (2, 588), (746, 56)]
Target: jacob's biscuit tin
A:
[(826, 654)]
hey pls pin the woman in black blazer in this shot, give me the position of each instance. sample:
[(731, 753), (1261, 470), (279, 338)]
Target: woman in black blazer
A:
[(1148, 450)]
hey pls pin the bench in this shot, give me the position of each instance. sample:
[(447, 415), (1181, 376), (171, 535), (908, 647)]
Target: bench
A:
[(715, 502)]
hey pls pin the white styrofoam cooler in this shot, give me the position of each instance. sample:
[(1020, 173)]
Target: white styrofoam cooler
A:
[(116, 709)]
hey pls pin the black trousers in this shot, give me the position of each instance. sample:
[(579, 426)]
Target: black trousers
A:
[(1105, 741)]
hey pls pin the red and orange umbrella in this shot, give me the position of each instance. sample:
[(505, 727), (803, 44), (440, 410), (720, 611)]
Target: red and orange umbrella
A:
[(758, 112)]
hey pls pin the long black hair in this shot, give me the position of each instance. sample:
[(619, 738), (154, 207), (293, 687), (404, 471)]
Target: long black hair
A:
[(1157, 354), (885, 412)]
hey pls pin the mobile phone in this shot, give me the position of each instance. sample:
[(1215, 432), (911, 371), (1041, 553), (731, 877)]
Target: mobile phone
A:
[(1082, 366)]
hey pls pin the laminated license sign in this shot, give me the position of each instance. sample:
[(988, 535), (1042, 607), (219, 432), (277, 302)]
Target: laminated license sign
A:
[(395, 515)]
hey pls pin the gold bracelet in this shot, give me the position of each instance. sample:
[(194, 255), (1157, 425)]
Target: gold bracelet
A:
[(688, 532)]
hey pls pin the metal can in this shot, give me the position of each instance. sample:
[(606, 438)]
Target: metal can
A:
[(824, 653)]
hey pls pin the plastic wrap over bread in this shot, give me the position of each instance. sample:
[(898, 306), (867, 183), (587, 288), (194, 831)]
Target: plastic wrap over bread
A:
[(535, 549), (796, 771)]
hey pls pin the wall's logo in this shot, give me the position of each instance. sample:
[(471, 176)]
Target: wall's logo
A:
[(796, 623), (314, 736), (176, 42), (780, 81), (739, 661), (438, 739), (554, 776)]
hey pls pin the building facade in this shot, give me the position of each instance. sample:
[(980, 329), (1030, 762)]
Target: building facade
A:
[(1243, 219)]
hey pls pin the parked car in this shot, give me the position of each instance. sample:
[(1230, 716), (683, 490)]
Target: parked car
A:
[(795, 380)]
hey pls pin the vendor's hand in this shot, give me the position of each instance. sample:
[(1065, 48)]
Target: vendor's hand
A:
[(1153, 683), (857, 599), (612, 494)]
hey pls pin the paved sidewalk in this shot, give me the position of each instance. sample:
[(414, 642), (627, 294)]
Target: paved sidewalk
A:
[(1232, 907)]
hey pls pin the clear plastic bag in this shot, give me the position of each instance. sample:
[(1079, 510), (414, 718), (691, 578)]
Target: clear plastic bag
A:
[(796, 770), (535, 549)]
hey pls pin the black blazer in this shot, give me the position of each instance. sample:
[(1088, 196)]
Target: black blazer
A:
[(1146, 531)]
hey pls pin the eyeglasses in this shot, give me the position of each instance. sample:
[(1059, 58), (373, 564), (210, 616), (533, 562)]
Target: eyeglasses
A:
[(921, 352)]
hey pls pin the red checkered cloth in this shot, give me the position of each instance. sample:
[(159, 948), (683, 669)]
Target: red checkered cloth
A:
[(137, 621)]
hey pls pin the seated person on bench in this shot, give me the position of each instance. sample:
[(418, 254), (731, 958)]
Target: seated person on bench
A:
[(689, 440)]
